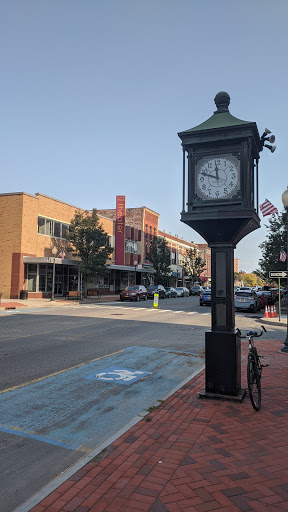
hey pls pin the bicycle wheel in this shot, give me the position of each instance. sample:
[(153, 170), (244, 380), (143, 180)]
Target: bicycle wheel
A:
[(254, 382)]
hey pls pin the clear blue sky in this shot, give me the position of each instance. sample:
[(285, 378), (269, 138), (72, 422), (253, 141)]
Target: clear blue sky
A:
[(94, 92)]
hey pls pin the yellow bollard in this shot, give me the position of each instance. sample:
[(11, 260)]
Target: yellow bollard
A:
[(156, 301)]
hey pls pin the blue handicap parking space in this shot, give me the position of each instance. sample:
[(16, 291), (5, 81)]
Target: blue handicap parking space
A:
[(81, 407)]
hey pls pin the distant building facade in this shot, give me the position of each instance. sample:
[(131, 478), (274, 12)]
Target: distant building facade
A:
[(32, 225)]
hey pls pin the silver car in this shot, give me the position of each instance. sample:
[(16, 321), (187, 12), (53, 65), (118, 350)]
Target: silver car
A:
[(182, 291), (247, 299)]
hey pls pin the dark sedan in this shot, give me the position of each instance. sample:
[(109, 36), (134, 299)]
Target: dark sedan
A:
[(195, 290), (156, 289)]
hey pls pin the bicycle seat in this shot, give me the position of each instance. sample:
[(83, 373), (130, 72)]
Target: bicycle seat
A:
[(251, 333)]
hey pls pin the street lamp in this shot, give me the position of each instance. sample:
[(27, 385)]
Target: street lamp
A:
[(285, 204), (135, 265), (54, 252)]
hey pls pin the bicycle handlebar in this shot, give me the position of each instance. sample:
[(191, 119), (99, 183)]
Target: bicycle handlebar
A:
[(251, 334)]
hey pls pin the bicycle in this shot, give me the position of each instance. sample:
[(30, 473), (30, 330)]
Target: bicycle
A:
[(254, 368)]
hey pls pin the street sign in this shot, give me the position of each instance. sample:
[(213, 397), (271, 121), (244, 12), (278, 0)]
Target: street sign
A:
[(278, 273)]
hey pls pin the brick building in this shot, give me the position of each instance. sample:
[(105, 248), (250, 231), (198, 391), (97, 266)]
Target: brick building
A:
[(32, 225)]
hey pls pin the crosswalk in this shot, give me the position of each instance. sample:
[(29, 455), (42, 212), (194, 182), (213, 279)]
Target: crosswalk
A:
[(144, 310)]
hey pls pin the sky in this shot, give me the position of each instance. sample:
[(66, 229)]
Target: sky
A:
[(94, 92)]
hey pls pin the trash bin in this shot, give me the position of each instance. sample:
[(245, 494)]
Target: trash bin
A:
[(24, 294)]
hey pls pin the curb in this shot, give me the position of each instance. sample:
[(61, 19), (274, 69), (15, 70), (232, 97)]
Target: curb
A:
[(281, 322)]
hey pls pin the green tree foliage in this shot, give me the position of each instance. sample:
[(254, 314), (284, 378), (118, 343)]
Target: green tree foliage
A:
[(159, 257), (90, 242), (276, 238), (252, 279), (193, 265)]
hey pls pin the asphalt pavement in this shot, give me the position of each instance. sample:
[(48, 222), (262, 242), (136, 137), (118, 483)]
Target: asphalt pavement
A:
[(189, 454), (184, 453)]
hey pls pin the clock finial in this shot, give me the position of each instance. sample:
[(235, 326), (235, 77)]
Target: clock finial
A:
[(222, 100)]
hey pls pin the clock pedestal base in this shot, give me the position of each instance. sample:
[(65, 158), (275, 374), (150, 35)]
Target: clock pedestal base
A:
[(223, 366)]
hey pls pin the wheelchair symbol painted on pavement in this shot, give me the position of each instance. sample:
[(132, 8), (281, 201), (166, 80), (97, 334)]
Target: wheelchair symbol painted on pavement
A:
[(118, 375)]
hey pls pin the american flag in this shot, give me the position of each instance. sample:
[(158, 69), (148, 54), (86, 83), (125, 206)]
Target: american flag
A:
[(62, 254), (267, 208), (283, 254)]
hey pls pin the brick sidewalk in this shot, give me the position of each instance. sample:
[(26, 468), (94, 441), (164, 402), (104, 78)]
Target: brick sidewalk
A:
[(194, 455)]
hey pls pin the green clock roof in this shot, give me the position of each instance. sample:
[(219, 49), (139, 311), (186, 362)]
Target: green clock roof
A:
[(221, 118), (218, 120)]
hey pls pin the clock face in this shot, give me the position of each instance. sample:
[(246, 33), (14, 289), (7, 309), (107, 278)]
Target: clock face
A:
[(218, 177)]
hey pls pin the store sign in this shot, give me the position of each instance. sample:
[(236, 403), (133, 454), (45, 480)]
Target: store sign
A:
[(120, 231)]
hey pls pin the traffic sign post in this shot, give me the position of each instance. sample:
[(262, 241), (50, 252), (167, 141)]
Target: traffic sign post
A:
[(273, 274), (277, 273)]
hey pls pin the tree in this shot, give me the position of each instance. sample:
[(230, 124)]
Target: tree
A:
[(250, 279), (193, 265), (159, 256), (276, 238), (90, 242)]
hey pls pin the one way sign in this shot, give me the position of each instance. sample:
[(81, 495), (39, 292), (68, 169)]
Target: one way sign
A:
[(277, 273)]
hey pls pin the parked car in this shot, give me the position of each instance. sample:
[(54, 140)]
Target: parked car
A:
[(171, 292), (195, 290), (134, 292), (156, 289), (269, 297), (205, 297), (247, 299), (182, 291), (256, 288)]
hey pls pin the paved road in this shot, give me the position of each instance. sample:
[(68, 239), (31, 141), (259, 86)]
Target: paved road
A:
[(72, 376)]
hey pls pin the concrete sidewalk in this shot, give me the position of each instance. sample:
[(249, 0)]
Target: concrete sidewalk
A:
[(192, 455), (40, 303)]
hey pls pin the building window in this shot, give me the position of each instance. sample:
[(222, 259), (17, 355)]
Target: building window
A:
[(51, 227), (131, 246), (65, 230), (41, 225), (99, 282), (32, 278)]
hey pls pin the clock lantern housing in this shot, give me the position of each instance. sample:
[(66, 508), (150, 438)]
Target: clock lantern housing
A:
[(221, 204), (221, 199)]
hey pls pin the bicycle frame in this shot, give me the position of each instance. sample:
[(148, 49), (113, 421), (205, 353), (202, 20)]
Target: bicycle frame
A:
[(254, 368)]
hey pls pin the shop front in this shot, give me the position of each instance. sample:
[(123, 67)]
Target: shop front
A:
[(118, 278), (38, 276)]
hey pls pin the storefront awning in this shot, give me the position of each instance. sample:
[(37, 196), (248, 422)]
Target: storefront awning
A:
[(49, 259), (144, 270)]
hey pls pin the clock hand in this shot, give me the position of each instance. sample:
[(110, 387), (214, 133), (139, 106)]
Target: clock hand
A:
[(217, 173), (207, 174)]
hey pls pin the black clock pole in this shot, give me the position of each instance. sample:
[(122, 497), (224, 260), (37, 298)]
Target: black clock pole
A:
[(221, 205), (222, 343)]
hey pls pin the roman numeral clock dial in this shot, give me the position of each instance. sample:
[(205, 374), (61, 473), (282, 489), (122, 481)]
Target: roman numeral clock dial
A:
[(218, 177)]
